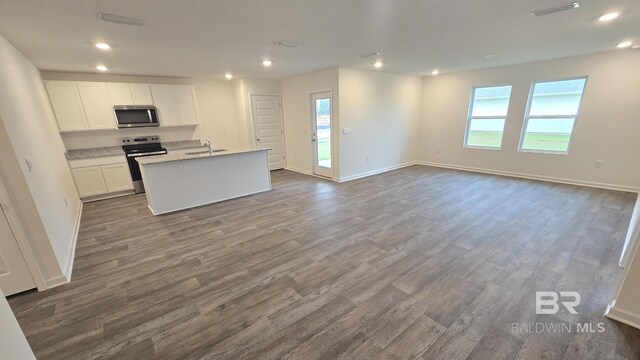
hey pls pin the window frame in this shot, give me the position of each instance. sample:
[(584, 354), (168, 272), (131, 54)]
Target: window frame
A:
[(527, 116), (470, 117)]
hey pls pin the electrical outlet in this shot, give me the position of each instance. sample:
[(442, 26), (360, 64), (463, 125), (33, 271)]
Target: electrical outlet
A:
[(438, 151), (346, 131), (598, 164)]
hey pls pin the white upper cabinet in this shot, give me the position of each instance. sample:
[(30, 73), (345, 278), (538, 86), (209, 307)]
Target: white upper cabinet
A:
[(164, 99), (97, 105), (67, 105), (141, 94), (85, 105), (120, 94), (185, 101)]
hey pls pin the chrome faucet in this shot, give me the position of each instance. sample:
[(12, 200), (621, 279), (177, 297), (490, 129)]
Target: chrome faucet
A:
[(207, 142)]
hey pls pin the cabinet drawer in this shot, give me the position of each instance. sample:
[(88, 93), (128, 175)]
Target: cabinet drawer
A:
[(105, 160)]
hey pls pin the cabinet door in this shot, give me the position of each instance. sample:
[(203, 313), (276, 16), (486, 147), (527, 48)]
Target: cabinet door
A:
[(186, 104), (97, 105), (119, 94), (89, 181), (165, 100), (67, 105), (141, 94), (117, 177)]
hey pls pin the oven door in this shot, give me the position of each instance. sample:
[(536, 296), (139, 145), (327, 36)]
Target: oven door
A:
[(136, 116), (134, 168)]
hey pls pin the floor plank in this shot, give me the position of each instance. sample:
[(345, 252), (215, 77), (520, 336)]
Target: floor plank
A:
[(415, 263)]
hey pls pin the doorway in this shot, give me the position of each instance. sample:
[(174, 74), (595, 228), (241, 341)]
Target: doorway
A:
[(321, 134), (267, 123)]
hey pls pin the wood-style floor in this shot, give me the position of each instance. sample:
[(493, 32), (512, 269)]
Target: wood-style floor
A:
[(415, 263)]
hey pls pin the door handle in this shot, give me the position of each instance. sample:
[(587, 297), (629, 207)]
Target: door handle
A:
[(257, 139)]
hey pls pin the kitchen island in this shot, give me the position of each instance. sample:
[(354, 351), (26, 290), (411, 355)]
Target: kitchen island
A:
[(176, 182)]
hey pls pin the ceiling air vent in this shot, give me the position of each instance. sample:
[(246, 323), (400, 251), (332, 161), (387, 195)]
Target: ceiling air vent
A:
[(287, 43), (124, 20), (368, 55), (555, 9)]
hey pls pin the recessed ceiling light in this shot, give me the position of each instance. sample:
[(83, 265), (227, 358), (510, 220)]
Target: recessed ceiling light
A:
[(103, 46), (368, 55), (608, 17), (228, 76), (625, 44), (102, 68), (556, 9), (435, 72), (266, 62), (378, 64)]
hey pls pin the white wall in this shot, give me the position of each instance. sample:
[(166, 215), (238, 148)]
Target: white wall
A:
[(382, 112), (296, 104), (29, 131), (606, 130), (215, 108)]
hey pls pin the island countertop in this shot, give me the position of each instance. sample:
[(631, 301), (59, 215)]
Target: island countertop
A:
[(159, 159)]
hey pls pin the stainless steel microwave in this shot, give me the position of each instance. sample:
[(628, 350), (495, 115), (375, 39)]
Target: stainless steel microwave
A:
[(129, 116)]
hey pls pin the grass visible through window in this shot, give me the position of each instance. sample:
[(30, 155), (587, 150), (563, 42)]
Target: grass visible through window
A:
[(546, 142), (324, 149), (484, 138)]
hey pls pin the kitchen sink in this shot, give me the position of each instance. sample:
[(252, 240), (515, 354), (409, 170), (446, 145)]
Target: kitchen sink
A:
[(205, 152)]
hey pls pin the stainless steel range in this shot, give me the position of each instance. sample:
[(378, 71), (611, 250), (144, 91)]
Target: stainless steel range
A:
[(136, 147)]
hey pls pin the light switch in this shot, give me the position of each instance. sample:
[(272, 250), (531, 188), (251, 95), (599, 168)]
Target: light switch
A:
[(345, 131)]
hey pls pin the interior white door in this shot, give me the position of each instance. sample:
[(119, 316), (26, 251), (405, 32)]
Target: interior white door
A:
[(267, 124), (14, 273), (321, 134)]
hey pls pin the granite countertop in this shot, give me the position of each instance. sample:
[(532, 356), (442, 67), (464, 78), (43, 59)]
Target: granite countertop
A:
[(158, 159), (90, 153)]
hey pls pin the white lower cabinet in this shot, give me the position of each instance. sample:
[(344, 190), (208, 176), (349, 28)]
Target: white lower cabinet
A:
[(117, 177), (100, 176), (90, 181)]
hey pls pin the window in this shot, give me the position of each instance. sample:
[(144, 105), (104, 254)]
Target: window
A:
[(551, 114), (487, 114)]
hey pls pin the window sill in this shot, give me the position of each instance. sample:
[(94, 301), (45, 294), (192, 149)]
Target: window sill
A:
[(544, 152), (482, 147)]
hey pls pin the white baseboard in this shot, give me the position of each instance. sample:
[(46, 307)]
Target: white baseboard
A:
[(298, 170), (378, 171), (533, 177), (72, 256), (56, 281), (623, 316), (305, 172)]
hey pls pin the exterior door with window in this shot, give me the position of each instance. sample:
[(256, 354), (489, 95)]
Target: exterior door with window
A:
[(321, 136), (267, 124)]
